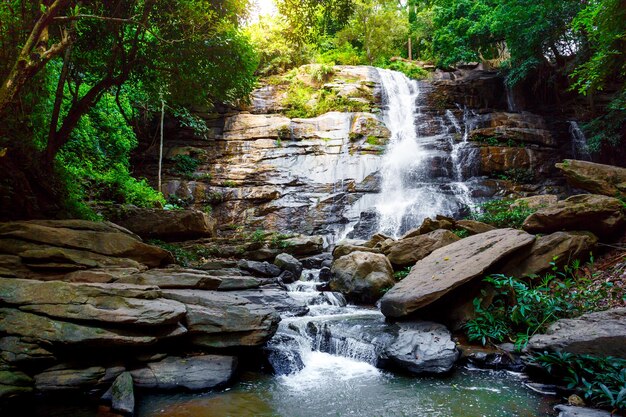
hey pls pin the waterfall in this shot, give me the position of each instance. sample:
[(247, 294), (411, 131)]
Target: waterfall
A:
[(580, 150), (419, 178)]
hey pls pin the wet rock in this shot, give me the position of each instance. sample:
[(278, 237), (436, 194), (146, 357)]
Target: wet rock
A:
[(573, 411), (473, 227), (315, 262), (525, 162), (450, 267), (261, 269), (110, 242), (286, 277), (558, 248), (168, 225), (423, 347), (14, 383), (366, 226), (406, 252), (65, 378), (121, 394), (599, 334), (287, 262), (362, 276), (325, 275), (275, 298), (192, 373), (283, 355), (225, 319), (601, 215), (104, 303), (595, 178)]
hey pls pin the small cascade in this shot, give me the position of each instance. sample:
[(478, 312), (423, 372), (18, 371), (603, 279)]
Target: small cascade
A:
[(428, 160), (580, 150), (510, 99)]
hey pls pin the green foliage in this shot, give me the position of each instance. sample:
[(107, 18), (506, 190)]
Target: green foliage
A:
[(182, 256), (601, 381), (304, 101), (520, 309), (401, 274), (258, 235), (409, 69), (500, 213), (518, 175), (462, 233), (185, 165)]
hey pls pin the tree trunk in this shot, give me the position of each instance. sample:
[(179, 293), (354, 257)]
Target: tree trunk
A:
[(58, 99), (410, 50), (161, 144)]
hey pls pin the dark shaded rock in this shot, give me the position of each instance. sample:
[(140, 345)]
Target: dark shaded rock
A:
[(601, 215), (121, 394), (65, 378), (192, 373), (315, 262), (602, 179), (286, 277), (16, 350), (14, 383), (325, 275), (362, 276), (598, 334), (450, 267), (287, 262), (366, 226), (573, 411), (261, 269)]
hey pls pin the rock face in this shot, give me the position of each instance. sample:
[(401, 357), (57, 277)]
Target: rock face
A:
[(168, 225), (423, 347), (601, 215), (559, 247), (602, 179), (599, 334), (405, 252), (450, 267), (193, 373), (362, 276)]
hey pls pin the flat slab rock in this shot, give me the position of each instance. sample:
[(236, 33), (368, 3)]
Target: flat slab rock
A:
[(450, 267), (572, 411), (599, 334), (193, 373)]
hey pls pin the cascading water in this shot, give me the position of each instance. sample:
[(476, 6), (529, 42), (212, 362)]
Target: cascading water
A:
[(416, 180), (580, 150)]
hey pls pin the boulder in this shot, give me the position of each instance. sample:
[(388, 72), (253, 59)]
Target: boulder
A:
[(450, 267), (362, 276), (121, 394), (348, 246), (405, 252), (287, 262), (110, 241), (559, 248), (261, 269), (601, 215), (315, 262), (108, 304), (193, 373), (473, 227), (574, 411), (595, 178), (168, 225), (304, 245), (430, 225), (536, 201), (217, 319), (599, 334), (423, 347)]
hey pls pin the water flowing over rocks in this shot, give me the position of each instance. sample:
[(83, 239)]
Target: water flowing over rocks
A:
[(450, 267), (598, 334)]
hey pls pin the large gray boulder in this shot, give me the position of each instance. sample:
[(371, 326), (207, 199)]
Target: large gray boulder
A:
[(361, 276), (559, 248), (260, 269), (193, 373), (601, 215), (423, 347), (596, 178), (287, 262), (600, 334), (450, 267), (406, 252)]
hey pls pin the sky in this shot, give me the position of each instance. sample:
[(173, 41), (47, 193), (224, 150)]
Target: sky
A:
[(262, 7)]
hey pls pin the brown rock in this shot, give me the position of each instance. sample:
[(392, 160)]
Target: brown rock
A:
[(601, 215), (536, 201), (405, 252), (608, 180), (450, 267), (362, 276), (473, 227)]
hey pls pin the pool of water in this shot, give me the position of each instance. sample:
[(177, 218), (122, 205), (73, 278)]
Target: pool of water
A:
[(363, 391)]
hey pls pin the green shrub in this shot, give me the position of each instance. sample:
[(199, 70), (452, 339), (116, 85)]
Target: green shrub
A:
[(401, 274), (520, 308), (462, 233), (601, 381), (258, 235), (499, 213), (518, 175), (185, 165), (409, 69)]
